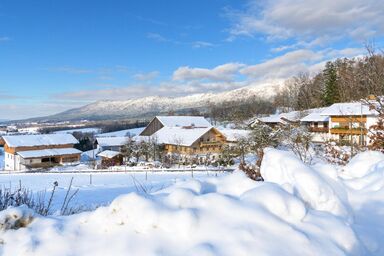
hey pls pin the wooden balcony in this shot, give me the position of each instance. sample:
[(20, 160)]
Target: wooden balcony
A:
[(318, 129), (210, 143), (353, 131)]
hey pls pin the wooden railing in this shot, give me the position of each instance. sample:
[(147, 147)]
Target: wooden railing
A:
[(210, 143), (353, 131)]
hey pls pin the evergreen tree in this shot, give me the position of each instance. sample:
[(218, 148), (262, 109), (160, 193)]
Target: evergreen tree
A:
[(331, 91)]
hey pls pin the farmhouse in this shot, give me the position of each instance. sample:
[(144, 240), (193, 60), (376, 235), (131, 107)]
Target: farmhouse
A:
[(188, 136), (349, 122), (23, 152), (318, 125), (190, 141)]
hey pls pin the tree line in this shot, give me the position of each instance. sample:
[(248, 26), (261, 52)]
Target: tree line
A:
[(341, 80)]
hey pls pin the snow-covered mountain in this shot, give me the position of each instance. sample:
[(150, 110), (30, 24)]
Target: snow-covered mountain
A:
[(149, 106)]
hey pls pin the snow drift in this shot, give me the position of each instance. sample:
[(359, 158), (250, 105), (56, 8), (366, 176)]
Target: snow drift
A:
[(297, 211)]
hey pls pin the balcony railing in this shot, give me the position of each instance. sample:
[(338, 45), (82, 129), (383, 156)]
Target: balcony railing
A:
[(318, 129), (346, 130), (210, 143)]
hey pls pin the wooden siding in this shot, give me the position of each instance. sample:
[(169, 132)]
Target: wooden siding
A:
[(152, 127), (348, 119), (211, 142)]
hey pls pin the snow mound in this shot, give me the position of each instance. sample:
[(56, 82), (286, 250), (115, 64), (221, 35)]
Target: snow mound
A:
[(365, 172), (361, 164), (283, 168), (230, 215), (16, 217)]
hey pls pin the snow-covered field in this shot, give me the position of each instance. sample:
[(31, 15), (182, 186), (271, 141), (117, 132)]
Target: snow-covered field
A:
[(97, 189), (122, 133), (83, 130), (298, 210)]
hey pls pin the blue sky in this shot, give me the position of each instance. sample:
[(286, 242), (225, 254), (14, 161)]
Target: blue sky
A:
[(56, 55)]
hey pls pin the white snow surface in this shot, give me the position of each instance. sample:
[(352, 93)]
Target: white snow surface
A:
[(179, 135), (315, 117), (180, 121), (108, 153), (48, 152), (122, 133), (298, 210), (348, 109), (112, 141), (234, 134), (39, 140)]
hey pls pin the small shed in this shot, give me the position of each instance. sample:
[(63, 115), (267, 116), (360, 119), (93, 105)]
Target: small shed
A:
[(110, 158)]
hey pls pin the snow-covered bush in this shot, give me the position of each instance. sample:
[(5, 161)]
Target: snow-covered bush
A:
[(16, 217), (299, 141), (336, 154)]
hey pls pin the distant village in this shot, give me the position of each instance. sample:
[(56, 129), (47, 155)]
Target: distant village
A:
[(176, 140)]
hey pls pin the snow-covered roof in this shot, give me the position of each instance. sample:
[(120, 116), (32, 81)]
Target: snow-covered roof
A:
[(348, 109), (270, 119), (179, 135), (112, 141), (293, 116), (315, 117), (39, 140), (234, 134), (48, 152), (108, 154), (180, 121)]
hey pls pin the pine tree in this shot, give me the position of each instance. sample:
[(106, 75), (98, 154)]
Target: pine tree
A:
[(331, 91)]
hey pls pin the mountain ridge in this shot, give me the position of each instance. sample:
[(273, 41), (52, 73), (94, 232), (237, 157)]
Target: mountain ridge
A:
[(154, 105)]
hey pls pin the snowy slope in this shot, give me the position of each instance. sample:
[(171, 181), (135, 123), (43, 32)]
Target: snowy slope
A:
[(154, 105), (298, 210)]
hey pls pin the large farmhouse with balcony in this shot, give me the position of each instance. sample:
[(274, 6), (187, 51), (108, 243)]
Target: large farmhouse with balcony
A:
[(189, 136), (24, 152), (318, 125), (350, 122)]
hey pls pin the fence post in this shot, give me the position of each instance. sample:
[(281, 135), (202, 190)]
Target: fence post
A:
[(90, 179)]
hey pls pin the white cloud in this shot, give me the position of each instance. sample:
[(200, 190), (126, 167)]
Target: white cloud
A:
[(157, 37), (284, 66), (297, 61), (202, 44), (308, 20), (225, 72), (146, 76)]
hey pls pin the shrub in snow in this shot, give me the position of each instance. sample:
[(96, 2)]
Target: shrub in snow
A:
[(336, 154), (16, 217), (299, 141)]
